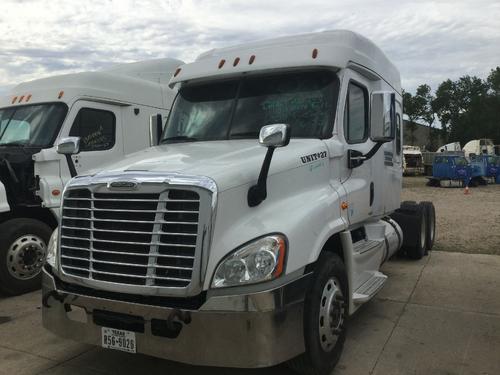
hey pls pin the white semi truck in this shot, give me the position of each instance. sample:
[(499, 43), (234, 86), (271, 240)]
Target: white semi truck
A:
[(254, 229), (479, 147), (105, 114)]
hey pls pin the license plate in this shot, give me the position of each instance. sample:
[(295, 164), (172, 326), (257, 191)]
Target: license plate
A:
[(118, 339)]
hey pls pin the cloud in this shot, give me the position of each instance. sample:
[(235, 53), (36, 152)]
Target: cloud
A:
[(428, 40)]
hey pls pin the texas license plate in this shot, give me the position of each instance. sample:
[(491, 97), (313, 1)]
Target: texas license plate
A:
[(118, 339)]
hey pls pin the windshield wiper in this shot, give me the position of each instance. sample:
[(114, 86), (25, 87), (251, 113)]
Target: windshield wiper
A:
[(179, 138), (254, 134), (17, 144)]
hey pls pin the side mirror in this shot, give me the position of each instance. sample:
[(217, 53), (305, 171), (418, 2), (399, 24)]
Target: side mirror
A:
[(68, 146), (383, 116), (275, 135), (270, 136), (155, 129)]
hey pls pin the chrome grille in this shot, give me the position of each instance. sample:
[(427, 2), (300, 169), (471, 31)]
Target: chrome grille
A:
[(135, 238)]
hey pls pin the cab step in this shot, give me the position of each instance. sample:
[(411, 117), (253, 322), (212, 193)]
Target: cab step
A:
[(369, 288)]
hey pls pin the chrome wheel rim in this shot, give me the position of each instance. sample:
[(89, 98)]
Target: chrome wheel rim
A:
[(25, 257), (331, 314)]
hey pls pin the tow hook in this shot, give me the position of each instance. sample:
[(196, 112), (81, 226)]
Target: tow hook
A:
[(172, 326), (53, 293)]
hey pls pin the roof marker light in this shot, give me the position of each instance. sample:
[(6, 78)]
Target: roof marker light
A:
[(21, 98), (252, 59), (221, 63), (177, 71), (61, 93), (236, 61), (315, 53), (14, 99), (28, 98)]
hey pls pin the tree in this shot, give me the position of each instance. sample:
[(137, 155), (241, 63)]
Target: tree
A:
[(425, 111), (460, 106), (411, 108)]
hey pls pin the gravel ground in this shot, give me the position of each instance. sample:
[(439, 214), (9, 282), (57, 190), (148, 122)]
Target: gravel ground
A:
[(464, 223)]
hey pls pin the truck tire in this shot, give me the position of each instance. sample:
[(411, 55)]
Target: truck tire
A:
[(325, 318), (412, 220), (430, 233), (23, 249)]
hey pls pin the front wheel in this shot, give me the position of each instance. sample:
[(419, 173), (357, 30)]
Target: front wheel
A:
[(23, 249), (325, 318)]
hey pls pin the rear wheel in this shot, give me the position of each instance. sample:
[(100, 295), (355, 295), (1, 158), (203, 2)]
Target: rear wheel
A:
[(23, 249), (325, 314), (430, 213), (412, 220)]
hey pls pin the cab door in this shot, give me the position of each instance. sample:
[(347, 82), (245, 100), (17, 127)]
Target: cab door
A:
[(99, 127), (355, 119)]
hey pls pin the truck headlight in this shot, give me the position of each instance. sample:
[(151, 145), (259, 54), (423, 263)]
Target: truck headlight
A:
[(52, 249), (259, 260)]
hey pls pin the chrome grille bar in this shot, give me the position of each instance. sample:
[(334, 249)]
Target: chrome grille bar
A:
[(135, 238)]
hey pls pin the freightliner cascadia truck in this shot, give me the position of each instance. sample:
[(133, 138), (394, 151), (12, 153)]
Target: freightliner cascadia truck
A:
[(257, 225), (104, 114)]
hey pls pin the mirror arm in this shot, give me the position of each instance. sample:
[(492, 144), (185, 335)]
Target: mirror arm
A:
[(373, 151), (71, 165), (356, 158), (258, 193)]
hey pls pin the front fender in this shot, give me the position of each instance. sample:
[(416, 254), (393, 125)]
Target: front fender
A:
[(301, 204)]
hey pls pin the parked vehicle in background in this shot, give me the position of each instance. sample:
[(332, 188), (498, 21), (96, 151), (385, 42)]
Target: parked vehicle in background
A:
[(450, 170), (258, 225), (479, 147), (454, 146), (413, 162), (98, 117), (486, 168)]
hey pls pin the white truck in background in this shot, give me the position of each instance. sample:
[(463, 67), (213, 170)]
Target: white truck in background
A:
[(257, 226), (450, 147), (100, 116), (479, 147), (413, 162)]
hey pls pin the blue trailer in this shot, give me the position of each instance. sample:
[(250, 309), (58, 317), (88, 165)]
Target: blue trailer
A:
[(450, 170)]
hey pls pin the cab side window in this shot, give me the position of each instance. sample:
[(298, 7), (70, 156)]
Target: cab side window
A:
[(96, 129), (356, 114)]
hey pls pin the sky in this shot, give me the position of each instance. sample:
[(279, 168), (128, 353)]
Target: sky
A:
[(429, 41)]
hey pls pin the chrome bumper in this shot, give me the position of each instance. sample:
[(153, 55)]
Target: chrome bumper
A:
[(253, 330)]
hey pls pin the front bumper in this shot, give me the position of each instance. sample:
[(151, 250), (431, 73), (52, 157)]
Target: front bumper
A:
[(252, 330)]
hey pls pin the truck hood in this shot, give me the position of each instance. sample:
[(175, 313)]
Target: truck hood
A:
[(230, 163)]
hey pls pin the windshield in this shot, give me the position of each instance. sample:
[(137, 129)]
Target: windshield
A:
[(239, 108), (31, 125)]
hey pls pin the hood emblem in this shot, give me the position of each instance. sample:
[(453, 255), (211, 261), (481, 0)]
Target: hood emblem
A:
[(123, 185)]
